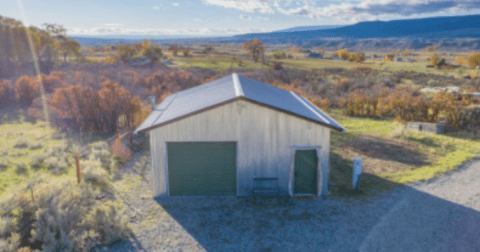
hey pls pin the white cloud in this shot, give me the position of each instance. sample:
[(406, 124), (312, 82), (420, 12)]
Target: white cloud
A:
[(156, 7), (113, 24), (351, 10), (118, 30), (245, 17), (175, 4), (261, 6), (197, 19)]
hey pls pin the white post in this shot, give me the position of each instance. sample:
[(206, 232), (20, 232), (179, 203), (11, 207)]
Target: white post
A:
[(357, 170), (152, 102)]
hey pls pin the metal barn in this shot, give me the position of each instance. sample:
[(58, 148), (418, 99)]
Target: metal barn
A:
[(238, 136)]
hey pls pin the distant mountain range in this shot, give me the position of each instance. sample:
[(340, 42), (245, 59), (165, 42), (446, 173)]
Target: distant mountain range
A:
[(439, 27), (310, 28), (449, 33)]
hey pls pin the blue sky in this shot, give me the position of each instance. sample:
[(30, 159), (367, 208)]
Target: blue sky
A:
[(220, 17)]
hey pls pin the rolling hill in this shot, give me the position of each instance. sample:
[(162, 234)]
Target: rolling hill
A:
[(439, 27)]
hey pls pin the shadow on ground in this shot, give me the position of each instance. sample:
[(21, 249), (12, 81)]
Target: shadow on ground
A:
[(405, 219), (126, 246)]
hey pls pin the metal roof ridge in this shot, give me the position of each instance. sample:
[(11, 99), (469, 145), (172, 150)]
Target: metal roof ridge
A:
[(237, 85), (163, 110), (310, 108)]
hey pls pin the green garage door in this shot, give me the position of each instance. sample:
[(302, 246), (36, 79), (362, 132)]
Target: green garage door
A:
[(202, 168)]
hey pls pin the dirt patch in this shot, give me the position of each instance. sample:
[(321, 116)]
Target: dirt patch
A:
[(382, 155)]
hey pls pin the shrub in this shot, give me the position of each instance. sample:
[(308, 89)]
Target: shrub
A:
[(125, 53), (21, 143), (94, 174), (37, 161), (109, 221), (36, 145), (277, 66), (279, 55), (22, 168), (100, 151), (6, 227), (59, 216), (121, 152), (70, 219), (26, 89), (473, 59), (52, 81), (56, 165), (186, 52), (321, 103), (344, 54), (360, 58), (434, 59), (11, 243), (108, 60), (3, 164)]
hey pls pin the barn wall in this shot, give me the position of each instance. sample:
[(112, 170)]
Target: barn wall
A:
[(263, 137)]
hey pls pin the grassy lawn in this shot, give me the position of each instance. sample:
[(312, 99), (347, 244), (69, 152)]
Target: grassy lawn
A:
[(391, 155), (19, 142), (22, 142)]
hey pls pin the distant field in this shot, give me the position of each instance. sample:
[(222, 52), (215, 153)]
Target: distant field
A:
[(222, 59), (218, 62)]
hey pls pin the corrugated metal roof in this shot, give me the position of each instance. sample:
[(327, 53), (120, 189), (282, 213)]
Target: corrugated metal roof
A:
[(217, 92)]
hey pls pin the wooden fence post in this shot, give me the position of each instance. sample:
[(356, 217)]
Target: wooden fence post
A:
[(79, 175)]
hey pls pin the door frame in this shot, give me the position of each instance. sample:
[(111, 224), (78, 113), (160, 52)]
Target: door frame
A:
[(291, 180), (167, 178)]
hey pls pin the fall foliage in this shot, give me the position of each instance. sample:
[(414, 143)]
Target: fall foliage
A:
[(255, 48), (154, 53), (434, 59), (26, 90), (474, 59), (360, 58), (96, 110), (125, 53), (389, 57), (186, 52), (344, 54)]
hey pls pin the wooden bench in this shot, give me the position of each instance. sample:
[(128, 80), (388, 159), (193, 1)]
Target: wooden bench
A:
[(265, 186)]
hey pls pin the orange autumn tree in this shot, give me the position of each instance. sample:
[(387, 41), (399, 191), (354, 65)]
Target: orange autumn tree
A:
[(97, 110), (255, 47), (26, 89), (114, 102)]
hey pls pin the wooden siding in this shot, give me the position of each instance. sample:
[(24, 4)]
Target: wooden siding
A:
[(264, 139)]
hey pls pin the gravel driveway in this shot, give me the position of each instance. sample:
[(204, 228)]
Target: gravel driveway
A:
[(439, 215)]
